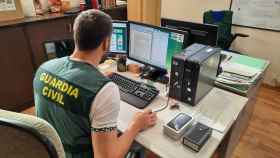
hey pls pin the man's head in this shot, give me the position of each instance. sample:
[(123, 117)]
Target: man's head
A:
[(92, 30)]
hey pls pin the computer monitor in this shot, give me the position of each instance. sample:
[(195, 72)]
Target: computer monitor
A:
[(199, 33), (119, 40), (154, 45), (58, 48)]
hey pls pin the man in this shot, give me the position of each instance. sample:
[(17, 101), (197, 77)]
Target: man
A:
[(81, 103)]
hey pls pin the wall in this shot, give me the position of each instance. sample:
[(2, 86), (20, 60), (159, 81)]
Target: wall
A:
[(262, 44)]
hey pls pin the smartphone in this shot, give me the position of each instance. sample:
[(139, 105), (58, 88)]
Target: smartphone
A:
[(178, 125), (179, 121)]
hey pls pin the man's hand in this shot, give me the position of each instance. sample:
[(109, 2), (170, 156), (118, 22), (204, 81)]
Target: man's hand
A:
[(107, 144), (108, 74), (144, 120)]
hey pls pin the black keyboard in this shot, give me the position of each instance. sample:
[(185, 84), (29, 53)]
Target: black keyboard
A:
[(135, 93)]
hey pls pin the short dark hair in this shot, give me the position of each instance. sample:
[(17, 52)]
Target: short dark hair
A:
[(91, 28)]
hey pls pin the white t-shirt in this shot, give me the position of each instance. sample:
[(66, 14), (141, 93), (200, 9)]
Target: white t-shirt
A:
[(105, 109)]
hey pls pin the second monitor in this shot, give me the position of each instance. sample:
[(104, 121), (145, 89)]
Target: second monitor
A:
[(199, 33), (119, 39), (154, 45)]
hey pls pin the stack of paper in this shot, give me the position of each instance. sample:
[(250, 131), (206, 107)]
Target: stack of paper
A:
[(240, 72)]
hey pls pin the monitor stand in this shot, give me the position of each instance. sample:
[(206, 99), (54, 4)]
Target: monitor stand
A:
[(154, 74)]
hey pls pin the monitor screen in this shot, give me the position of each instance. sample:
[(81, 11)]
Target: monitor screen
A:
[(119, 38), (153, 45), (58, 48), (199, 33)]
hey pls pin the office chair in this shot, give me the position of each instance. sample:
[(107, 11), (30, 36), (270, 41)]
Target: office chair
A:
[(223, 19), (27, 136)]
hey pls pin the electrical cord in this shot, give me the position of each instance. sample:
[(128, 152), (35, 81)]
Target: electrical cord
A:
[(196, 115), (162, 107), (156, 110)]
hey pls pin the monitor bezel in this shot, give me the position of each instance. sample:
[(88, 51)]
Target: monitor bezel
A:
[(186, 34), (127, 42), (199, 27)]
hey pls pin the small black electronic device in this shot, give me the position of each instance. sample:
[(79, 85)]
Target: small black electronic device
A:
[(197, 136), (121, 63), (198, 33), (193, 73), (58, 48), (177, 126), (135, 93)]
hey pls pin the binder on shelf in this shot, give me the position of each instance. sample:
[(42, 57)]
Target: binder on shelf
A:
[(88, 4), (95, 4), (105, 4), (249, 61)]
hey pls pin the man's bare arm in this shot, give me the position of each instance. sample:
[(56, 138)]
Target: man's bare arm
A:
[(109, 145)]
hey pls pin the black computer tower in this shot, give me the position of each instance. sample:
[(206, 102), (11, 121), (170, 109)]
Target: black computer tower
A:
[(193, 73)]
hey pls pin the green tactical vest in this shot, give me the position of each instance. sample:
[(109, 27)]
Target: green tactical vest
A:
[(64, 90)]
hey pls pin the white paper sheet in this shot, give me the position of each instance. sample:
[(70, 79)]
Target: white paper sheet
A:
[(7, 5)]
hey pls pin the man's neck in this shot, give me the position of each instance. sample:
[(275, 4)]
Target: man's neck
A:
[(92, 58)]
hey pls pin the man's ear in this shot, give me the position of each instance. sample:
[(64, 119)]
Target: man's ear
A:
[(106, 44)]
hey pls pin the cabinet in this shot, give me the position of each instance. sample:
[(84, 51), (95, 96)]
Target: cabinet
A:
[(146, 11), (22, 52), (58, 29), (16, 68), (40, 32)]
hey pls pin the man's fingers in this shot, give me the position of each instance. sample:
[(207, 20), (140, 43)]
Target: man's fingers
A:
[(108, 74), (153, 115), (153, 120), (148, 111)]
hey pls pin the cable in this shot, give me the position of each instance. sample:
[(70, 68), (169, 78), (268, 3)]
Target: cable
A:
[(162, 107), (156, 110)]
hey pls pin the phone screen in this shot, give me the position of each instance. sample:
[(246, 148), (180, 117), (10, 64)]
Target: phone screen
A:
[(179, 121)]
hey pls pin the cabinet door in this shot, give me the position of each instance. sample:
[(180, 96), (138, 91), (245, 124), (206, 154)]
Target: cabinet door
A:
[(16, 69), (134, 10), (151, 12), (117, 13), (40, 32), (146, 11)]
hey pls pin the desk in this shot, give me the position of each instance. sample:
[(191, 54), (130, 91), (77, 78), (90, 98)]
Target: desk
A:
[(242, 122), (225, 105)]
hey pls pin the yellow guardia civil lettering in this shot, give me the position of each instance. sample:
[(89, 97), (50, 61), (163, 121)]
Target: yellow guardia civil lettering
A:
[(45, 91), (42, 76), (75, 93), (57, 88), (53, 95)]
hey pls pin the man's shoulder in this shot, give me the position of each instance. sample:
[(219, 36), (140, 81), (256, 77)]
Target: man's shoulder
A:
[(54, 62), (110, 87), (50, 65)]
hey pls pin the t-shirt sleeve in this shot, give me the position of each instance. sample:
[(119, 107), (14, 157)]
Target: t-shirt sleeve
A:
[(105, 109)]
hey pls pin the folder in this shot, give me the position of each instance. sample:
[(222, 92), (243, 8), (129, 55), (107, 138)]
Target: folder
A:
[(249, 61)]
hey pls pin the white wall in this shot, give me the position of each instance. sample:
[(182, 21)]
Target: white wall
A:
[(261, 43)]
